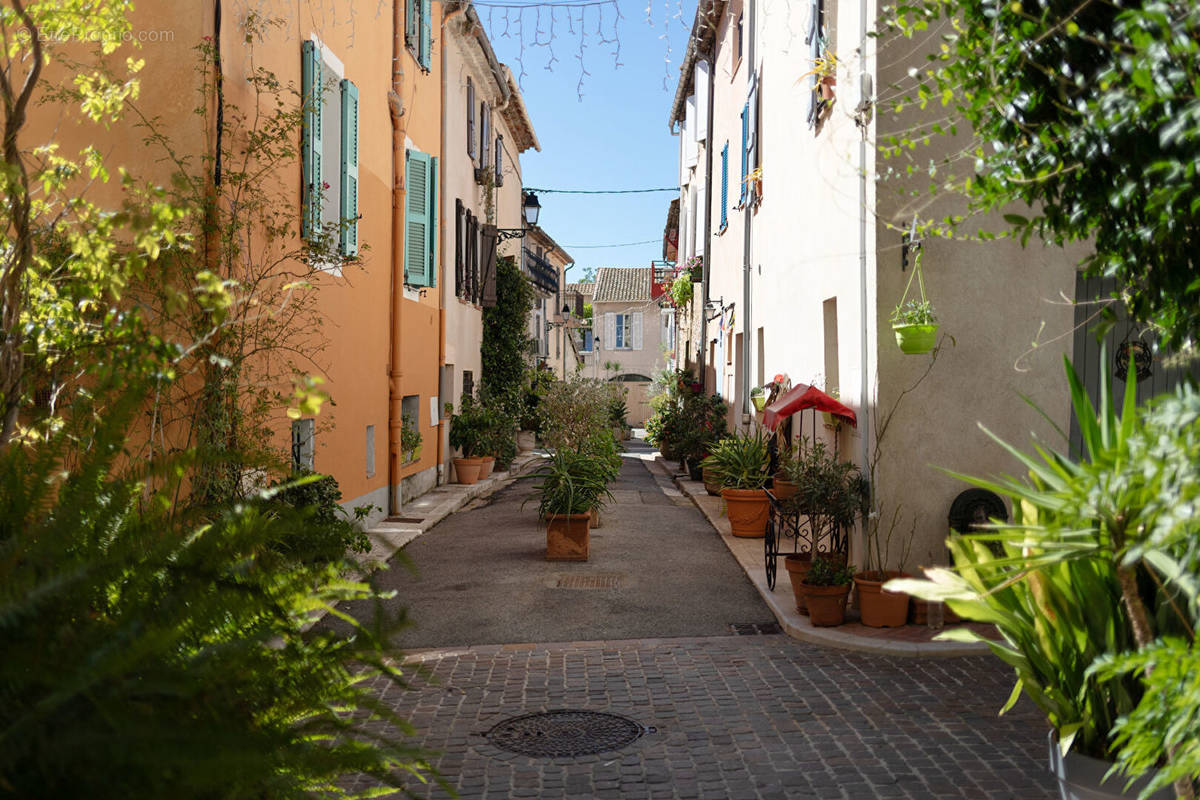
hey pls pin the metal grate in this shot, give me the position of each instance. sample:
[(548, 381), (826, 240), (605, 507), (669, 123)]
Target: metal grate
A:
[(594, 581), (553, 734), (755, 628)]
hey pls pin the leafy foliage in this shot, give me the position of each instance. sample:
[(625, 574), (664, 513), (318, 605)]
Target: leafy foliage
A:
[(573, 411), (1097, 579), (326, 535), (505, 333), (572, 482), (1086, 117), (829, 572), (150, 653), (740, 461), (832, 493)]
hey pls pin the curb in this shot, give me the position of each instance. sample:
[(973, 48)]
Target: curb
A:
[(749, 555)]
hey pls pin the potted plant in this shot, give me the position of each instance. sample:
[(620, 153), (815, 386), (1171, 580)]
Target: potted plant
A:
[(1093, 590), (782, 485), (826, 587), (759, 398), (914, 322), (572, 484), (468, 433), (880, 606), (741, 463), (410, 439)]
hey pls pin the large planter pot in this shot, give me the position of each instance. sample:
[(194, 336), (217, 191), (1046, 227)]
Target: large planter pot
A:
[(526, 441), (880, 608), (489, 463), (712, 484), (466, 470), (783, 488), (567, 537), (826, 604), (1080, 777), (748, 510), (798, 567), (916, 339)]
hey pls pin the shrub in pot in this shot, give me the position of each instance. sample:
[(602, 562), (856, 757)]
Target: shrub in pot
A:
[(1095, 588), (826, 587), (469, 432), (741, 463), (831, 493)]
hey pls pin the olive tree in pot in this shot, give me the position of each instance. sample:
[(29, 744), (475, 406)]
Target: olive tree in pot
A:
[(1095, 591), (572, 484), (740, 461)]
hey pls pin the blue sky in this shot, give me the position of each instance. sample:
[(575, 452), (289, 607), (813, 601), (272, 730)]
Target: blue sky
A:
[(616, 137)]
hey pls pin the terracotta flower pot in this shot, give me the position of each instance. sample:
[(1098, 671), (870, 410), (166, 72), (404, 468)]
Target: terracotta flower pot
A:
[(711, 484), (466, 470), (748, 510), (567, 537), (526, 441), (489, 463), (881, 609), (826, 604), (784, 488), (797, 567)]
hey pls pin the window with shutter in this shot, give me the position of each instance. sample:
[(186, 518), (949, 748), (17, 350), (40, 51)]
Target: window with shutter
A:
[(311, 142), (412, 24), (499, 160), (471, 118), (752, 150), (816, 32), (485, 136), (745, 152), (431, 263), (459, 260), (725, 186), (425, 55), (417, 239), (348, 243), (610, 332)]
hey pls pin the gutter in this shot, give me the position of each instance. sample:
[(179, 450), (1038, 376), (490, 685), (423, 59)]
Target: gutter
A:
[(395, 364), (864, 416), (748, 220), (708, 198)]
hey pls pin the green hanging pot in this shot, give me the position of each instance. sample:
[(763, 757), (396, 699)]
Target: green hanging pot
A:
[(916, 339)]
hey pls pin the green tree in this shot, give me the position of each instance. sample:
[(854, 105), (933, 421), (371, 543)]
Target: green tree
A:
[(1086, 118), (505, 348)]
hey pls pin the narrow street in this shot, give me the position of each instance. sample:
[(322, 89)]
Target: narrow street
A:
[(643, 631)]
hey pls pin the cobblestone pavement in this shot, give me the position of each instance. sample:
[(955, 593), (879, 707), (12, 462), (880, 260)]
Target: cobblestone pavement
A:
[(731, 717)]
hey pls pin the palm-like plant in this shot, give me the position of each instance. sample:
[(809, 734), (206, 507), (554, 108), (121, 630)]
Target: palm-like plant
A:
[(572, 482), (740, 461)]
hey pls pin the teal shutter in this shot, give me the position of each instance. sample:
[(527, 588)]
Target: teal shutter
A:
[(725, 186), (431, 270), (745, 151), (412, 23), (348, 244), (311, 180), (426, 33), (416, 220)]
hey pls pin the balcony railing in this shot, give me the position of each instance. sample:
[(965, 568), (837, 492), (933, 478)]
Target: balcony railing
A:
[(544, 276)]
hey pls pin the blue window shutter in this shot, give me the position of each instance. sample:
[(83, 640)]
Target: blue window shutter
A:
[(416, 220), (311, 180), (745, 151), (431, 270), (412, 23), (426, 33), (348, 243), (724, 186)]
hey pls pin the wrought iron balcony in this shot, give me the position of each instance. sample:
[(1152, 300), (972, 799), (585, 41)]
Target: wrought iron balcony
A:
[(545, 276)]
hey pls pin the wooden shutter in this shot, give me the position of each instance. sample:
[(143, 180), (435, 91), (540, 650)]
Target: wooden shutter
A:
[(745, 152), (431, 268), (488, 246), (412, 23), (348, 242), (485, 136), (635, 331), (499, 160), (459, 260), (610, 331), (426, 34), (700, 82), (311, 180), (471, 118), (725, 186), (752, 137), (416, 220)]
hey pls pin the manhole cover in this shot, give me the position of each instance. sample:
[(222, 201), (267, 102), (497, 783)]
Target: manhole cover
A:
[(553, 734), (593, 581)]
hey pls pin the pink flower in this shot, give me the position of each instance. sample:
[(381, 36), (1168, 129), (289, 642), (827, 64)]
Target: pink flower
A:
[(325, 184)]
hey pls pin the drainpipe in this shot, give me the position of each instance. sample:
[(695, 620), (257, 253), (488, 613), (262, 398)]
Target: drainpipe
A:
[(708, 189), (747, 267), (395, 365), (863, 306)]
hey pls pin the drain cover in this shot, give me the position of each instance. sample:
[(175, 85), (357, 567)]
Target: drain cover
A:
[(564, 733), (755, 628), (602, 580)]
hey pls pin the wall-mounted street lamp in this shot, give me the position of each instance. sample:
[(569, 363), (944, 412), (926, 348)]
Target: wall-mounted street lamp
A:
[(531, 209)]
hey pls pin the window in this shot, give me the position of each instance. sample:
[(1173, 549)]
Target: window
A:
[(303, 445), (499, 160), (329, 136), (485, 136), (410, 423), (587, 344), (724, 187), (468, 383), (370, 451), (420, 220), (740, 42), (623, 331), (418, 30), (745, 143), (471, 118)]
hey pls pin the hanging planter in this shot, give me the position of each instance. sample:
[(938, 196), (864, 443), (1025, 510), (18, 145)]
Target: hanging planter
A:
[(914, 321)]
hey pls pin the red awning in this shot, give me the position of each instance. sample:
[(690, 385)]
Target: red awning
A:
[(803, 396)]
